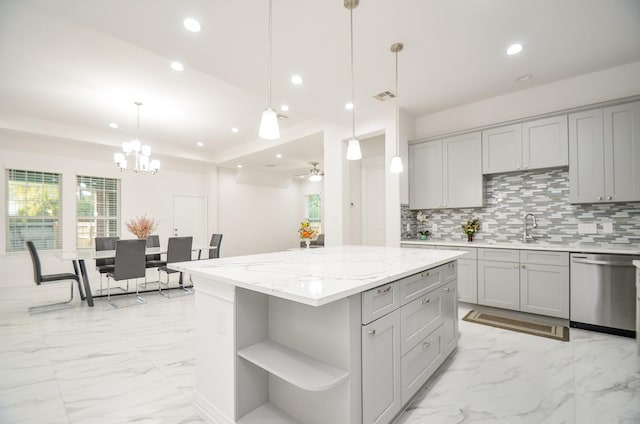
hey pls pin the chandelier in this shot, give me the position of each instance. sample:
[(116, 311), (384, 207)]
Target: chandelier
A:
[(136, 157)]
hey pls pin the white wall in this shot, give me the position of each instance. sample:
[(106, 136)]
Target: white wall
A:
[(609, 84), (257, 219), (140, 194)]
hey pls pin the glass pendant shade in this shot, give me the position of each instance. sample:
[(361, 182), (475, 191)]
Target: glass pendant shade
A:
[(315, 177), (269, 129), (353, 150), (396, 165)]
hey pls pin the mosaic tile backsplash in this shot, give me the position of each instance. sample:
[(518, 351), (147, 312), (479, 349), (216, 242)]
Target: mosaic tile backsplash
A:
[(509, 197)]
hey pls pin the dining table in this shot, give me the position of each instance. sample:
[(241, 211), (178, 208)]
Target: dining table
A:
[(80, 256)]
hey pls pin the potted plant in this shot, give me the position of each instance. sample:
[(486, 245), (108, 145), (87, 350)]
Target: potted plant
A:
[(471, 227), (421, 217), (306, 232), (141, 226)]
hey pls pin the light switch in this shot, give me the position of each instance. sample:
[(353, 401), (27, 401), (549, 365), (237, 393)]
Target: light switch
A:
[(607, 228), (408, 227)]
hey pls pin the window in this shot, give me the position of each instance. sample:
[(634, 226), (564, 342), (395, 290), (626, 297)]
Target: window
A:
[(313, 211), (97, 209), (33, 209)]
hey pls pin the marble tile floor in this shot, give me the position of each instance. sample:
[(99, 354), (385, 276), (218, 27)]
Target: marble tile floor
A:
[(100, 365)]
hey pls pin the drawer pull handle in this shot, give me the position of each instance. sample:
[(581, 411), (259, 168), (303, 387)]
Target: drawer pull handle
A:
[(384, 290), (447, 289), (427, 300), (372, 332), (425, 345), (425, 274)]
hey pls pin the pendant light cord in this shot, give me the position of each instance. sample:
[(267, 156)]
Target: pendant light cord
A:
[(397, 112), (353, 90), (269, 66)]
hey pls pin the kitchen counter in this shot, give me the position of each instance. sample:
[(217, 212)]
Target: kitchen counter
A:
[(281, 336), (318, 276), (581, 247)]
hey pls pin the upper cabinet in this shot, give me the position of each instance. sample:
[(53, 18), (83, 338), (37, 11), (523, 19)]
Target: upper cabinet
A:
[(604, 154), (530, 145), (446, 173)]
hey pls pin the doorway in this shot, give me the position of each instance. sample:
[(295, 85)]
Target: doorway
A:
[(190, 218)]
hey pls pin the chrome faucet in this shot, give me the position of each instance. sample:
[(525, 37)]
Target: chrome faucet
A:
[(525, 235)]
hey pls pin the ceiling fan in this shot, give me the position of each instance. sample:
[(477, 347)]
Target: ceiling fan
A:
[(314, 173)]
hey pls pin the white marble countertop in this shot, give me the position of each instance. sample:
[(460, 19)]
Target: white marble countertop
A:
[(318, 276), (636, 263), (579, 247)]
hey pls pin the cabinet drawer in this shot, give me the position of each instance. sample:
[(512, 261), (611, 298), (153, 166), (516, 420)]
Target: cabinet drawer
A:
[(544, 257), (472, 252), (417, 285), (420, 363), (419, 318), (380, 301), (501, 255)]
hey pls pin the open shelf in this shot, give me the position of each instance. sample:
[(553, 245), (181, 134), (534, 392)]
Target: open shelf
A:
[(294, 367), (267, 413)]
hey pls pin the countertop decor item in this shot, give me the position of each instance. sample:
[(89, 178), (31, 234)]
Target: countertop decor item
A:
[(471, 227), (142, 226), (421, 217), (306, 232)]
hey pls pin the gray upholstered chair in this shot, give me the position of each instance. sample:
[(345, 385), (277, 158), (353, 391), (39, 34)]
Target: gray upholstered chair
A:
[(129, 264), (178, 250), (41, 279), (105, 266), (216, 240), (155, 260)]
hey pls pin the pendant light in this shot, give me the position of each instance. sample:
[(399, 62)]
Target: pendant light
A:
[(396, 161), (269, 129), (353, 149)]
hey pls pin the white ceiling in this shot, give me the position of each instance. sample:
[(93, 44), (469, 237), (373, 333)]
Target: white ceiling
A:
[(69, 67)]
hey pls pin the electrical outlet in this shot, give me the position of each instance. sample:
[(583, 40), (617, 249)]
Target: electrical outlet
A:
[(607, 228), (587, 228), (434, 227), (408, 227)]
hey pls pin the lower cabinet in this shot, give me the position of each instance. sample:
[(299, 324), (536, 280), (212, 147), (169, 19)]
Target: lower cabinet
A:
[(499, 284), (544, 290), (381, 395), (468, 280), (403, 348)]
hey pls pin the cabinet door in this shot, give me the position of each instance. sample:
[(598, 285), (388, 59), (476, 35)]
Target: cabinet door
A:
[(586, 152), (545, 143), (468, 280), (425, 175), (502, 149), (450, 316), (499, 284), (544, 290), (381, 385), (622, 152), (462, 183)]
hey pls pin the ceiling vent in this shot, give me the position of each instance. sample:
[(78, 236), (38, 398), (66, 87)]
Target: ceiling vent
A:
[(385, 95)]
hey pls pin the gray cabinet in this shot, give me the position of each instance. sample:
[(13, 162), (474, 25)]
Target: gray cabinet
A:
[(499, 284), (381, 394), (544, 290), (449, 300), (446, 173), (468, 280), (542, 143), (604, 154)]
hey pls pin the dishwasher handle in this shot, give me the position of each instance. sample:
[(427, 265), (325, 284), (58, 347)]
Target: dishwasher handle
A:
[(607, 263)]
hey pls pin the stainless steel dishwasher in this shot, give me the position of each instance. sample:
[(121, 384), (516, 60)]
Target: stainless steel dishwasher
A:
[(603, 293)]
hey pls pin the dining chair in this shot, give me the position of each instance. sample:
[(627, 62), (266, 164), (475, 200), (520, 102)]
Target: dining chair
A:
[(41, 279), (178, 250), (104, 266), (154, 260), (129, 264), (216, 240)]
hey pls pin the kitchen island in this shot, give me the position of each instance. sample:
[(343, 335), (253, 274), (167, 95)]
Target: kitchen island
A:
[(341, 334)]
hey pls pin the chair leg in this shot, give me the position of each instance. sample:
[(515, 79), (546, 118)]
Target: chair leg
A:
[(52, 306), (139, 298)]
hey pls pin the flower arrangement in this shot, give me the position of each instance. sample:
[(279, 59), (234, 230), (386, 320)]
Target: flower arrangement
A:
[(142, 226), (305, 230), (471, 227), (422, 219)]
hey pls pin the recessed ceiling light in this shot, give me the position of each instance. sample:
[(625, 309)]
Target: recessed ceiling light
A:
[(279, 155), (191, 24), (514, 49), (524, 77), (284, 108), (200, 143), (296, 79), (235, 130), (238, 166), (348, 106), (113, 125), (177, 66)]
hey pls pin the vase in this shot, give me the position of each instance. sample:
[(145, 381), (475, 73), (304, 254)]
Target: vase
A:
[(469, 238), (423, 237), (307, 242)]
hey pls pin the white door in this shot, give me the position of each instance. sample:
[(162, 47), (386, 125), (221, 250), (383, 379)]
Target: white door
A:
[(373, 214), (190, 218)]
